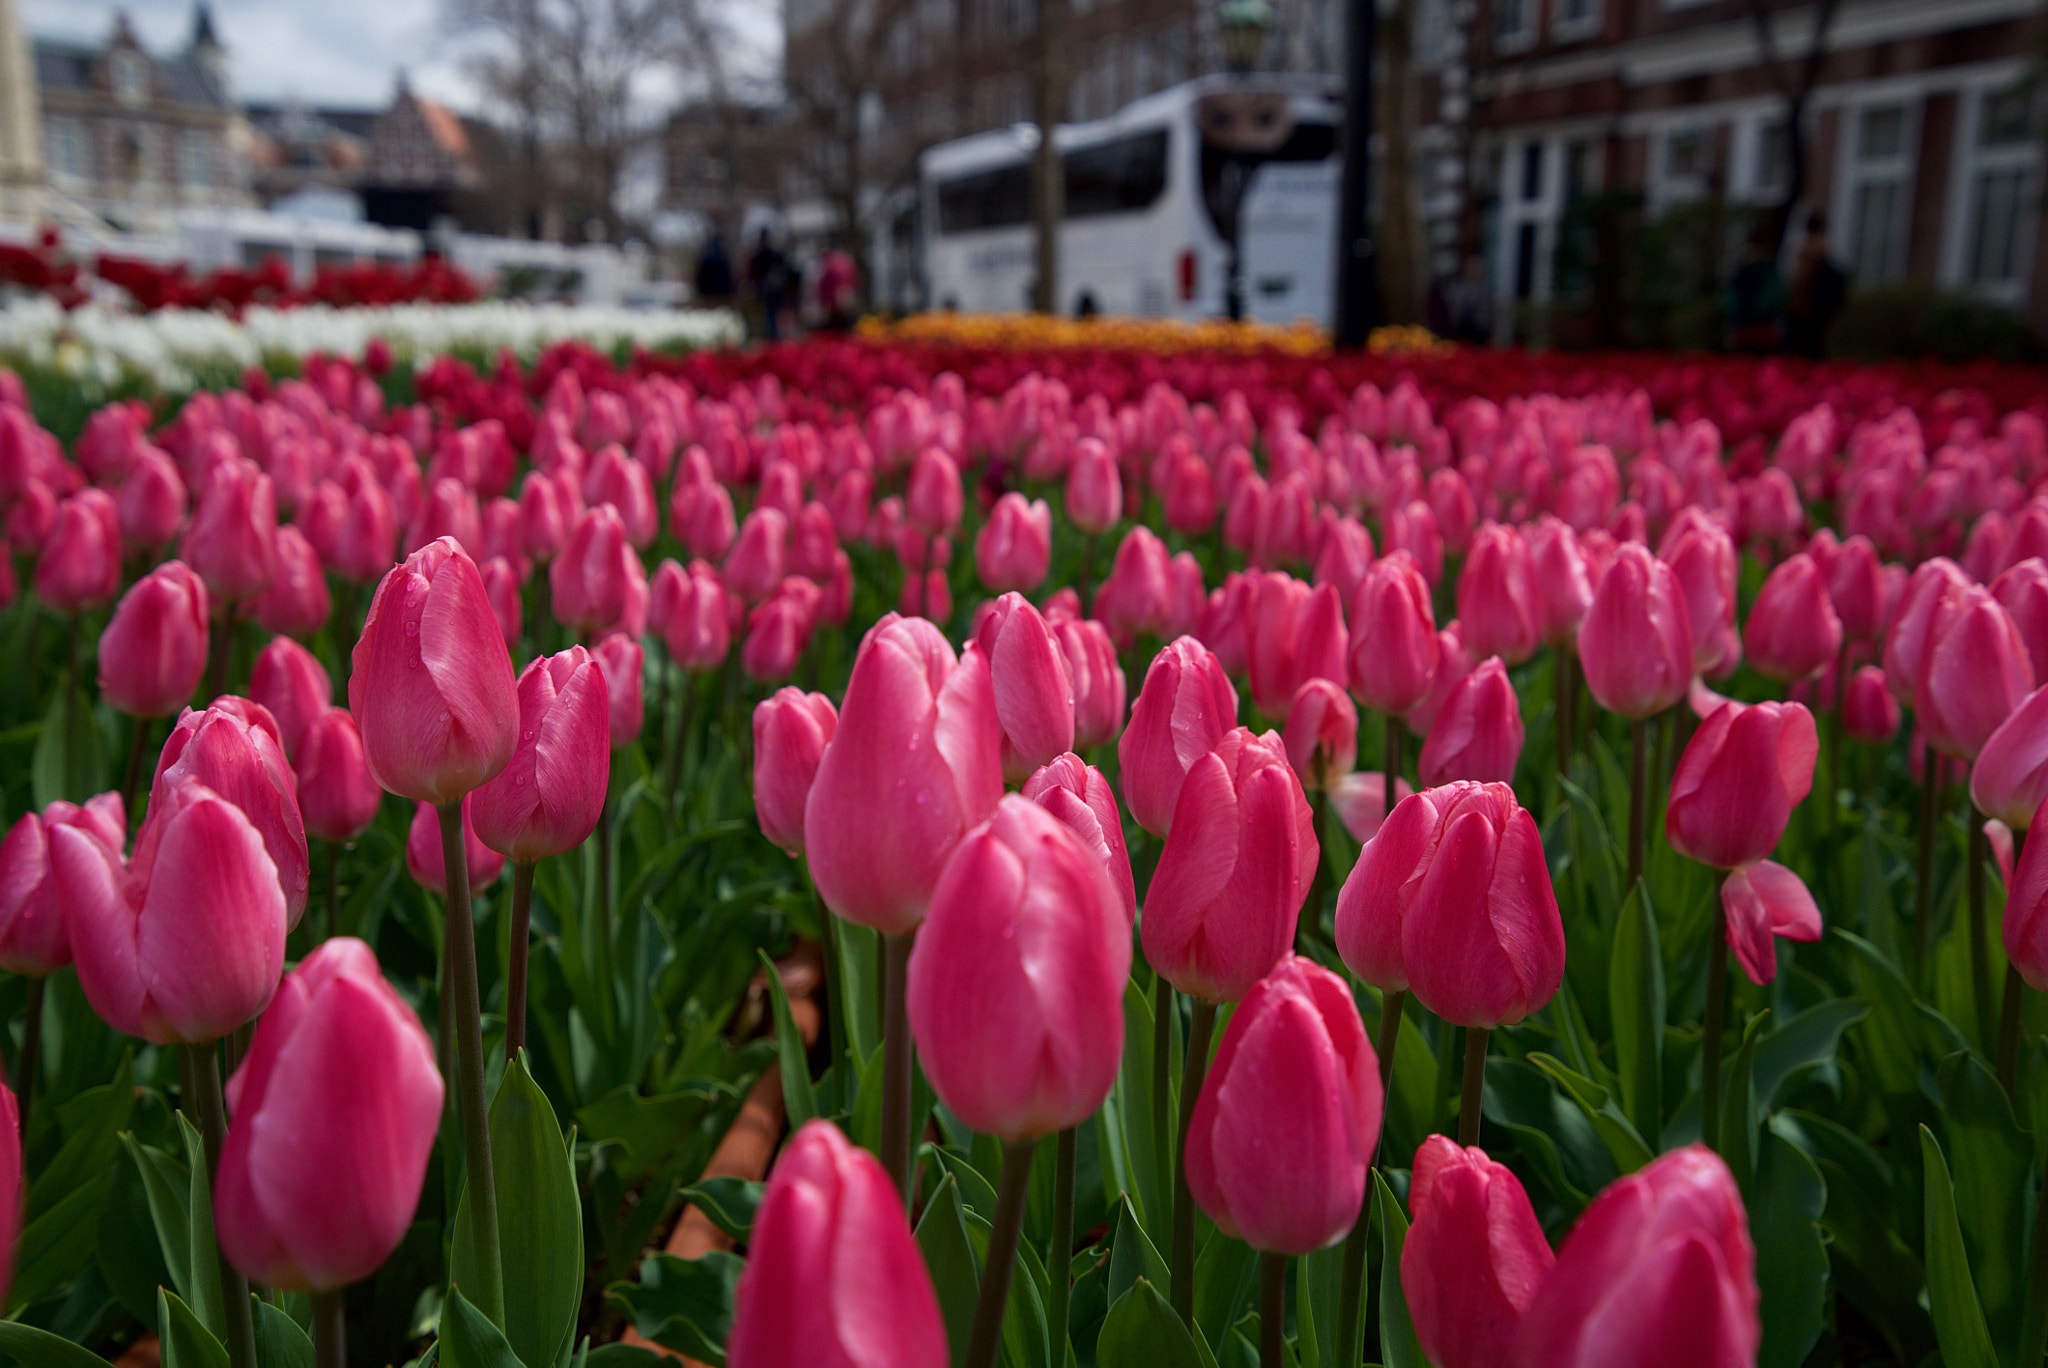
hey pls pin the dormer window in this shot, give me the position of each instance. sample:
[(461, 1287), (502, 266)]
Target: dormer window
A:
[(130, 72)]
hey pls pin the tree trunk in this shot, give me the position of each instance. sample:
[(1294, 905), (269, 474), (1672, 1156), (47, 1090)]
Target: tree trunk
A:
[(1402, 252), (1048, 190)]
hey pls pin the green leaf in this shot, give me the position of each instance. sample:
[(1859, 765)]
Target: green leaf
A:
[(1560, 1144), (469, 1340), (186, 1342), (34, 1348), (70, 758), (1993, 1158), (1133, 1256), (280, 1343), (625, 1356), (1958, 1319), (1629, 1150), (1738, 1104), (209, 1302), (1398, 1346), (1226, 1270), (683, 1304), (797, 1094), (126, 1248), (942, 1238), (540, 1222), (1806, 1040), (859, 984), (728, 1203), (643, 1131), (57, 1245), (1785, 1208), (1142, 1329), (165, 1182), (93, 1145), (1635, 990)]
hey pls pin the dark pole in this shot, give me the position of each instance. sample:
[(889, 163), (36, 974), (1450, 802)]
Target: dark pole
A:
[(1357, 269)]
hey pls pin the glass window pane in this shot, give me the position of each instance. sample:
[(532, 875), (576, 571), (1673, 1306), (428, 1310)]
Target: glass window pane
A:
[(1882, 134), (1995, 234), (2005, 118)]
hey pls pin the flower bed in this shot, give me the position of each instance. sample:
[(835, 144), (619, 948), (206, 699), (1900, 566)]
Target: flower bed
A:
[(443, 748)]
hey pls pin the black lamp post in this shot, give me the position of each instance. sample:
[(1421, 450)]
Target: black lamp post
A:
[(1244, 26), (1357, 270)]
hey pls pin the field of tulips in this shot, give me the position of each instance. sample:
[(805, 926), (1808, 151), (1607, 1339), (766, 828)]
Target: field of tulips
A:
[(961, 849)]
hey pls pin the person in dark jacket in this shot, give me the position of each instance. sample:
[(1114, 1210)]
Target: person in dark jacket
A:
[(715, 283), (1818, 290)]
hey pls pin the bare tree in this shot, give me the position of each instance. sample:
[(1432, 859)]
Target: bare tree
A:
[(1795, 82), (1401, 249), (1048, 190)]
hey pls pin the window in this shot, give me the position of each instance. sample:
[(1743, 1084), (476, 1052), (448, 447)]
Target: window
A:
[(1575, 19), (1581, 167), (1879, 171), (1123, 176), (1511, 22), (129, 72), (195, 160), (2003, 188), (1773, 169), (64, 150), (1532, 171)]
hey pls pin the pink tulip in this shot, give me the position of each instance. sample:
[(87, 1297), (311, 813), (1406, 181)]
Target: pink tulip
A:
[(624, 664), (502, 589), (337, 796), (1764, 901), (2023, 592), (1636, 645), (2010, 777), (450, 510), (1453, 664), (1452, 900), (2026, 916), (1034, 687), (756, 564), (1360, 802), (1074, 791), (1184, 708), (1564, 588), (833, 1276), (1137, 598), (1702, 556), (700, 516), (150, 504), (432, 689), (588, 581), (1478, 733), (915, 761), (366, 542), (13, 1185), (934, 500), (293, 685), (791, 731), (1321, 734), (424, 858), (1474, 1258), (547, 800), (1497, 598), (1289, 1114), (1869, 713), (79, 568), (1014, 547), (617, 480), (1345, 557), (1977, 672), (33, 941), (1190, 496), (1095, 488), (779, 630), (1744, 771), (1221, 909), (232, 541), (1909, 643), (1392, 651), (236, 750), (296, 601), (1856, 588), (1793, 632), (334, 1112), (187, 942), (698, 632), (154, 650), (1099, 687), (1017, 981), (545, 517), (1658, 1269)]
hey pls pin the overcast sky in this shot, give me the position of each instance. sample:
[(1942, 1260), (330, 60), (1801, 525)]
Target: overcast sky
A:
[(321, 51)]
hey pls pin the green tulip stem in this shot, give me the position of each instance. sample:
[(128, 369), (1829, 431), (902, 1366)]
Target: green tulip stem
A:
[(607, 983), (1716, 1025), (679, 736), (1162, 1073), (1471, 1102), (1923, 892), (515, 968), (2034, 1319), (333, 889), (1351, 1290), (1978, 846), (466, 1017), (1638, 798), (131, 773), (896, 1062), (213, 1129), (1393, 763), (1272, 1309), (1060, 1257), (1308, 926), (2008, 1039), (220, 652), (987, 1336), (1200, 1030), (31, 1052), (1565, 686), (330, 1330)]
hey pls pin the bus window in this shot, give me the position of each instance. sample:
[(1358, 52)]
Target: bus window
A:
[(997, 198), (1122, 176)]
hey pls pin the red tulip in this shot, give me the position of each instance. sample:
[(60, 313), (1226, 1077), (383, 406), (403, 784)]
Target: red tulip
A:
[(1222, 906), (1321, 734), (1744, 771), (833, 1276), (1074, 791), (79, 568), (1478, 732), (1474, 1257), (1497, 597), (1393, 648), (337, 797), (236, 750), (426, 862), (1637, 642), (432, 689), (1869, 713), (1014, 546), (547, 800), (1184, 708), (624, 664), (1659, 1269), (1977, 672), (232, 541), (1095, 488), (1099, 688), (1017, 981), (915, 761), (791, 731), (334, 1113), (1289, 1114), (153, 652), (33, 941), (1034, 687), (293, 685)]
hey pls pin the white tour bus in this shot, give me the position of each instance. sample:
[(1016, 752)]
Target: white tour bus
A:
[(1153, 193)]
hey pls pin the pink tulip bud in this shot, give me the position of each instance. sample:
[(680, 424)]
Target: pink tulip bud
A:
[(1137, 598), (334, 1111), (1016, 984), (31, 516), (1763, 901), (1074, 791), (1095, 488), (150, 504), (587, 582), (547, 800), (1034, 687), (1474, 1258), (1453, 664), (1869, 713), (337, 796), (1297, 634), (1321, 734), (1014, 546), (1793, 632), (1345, 558), (1289, 1114), (1478, 732), (154, 650), (544, 517), (1702, 557), (934, 498), (1977, 672), (1636, 645), (1393, 648), (617, 480), (232, 541), (833, 1277), (450, 510), (1185, 707), (624, 664), (79, 568), (2026, 916), (431, 688), (756, 564), (699, 634), (791, 731), (1564, 589), (424, 858), (186, 944), (1660, 1259), (366, 541), (293, 685), (1360, 801), (1497, 596), (2010, 778), (33, 941), (1452, 900), (502, 590), (2023, 592), (915, 761), (1099, 687), (1744, 771), (236, 750), (1221, 909), (296, 601), (1190, 496), (1856, 588)]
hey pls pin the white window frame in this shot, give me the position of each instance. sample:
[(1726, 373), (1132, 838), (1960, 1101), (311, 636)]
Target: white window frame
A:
[(1588, 25), (1524, 36), (1668, 188), (196, 152), (1961, 212), (1751, 140), (77, 137), (1853, 173)]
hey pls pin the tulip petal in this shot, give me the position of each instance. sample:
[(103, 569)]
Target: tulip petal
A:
[(1749, 927), (100, 918), (210, 937)]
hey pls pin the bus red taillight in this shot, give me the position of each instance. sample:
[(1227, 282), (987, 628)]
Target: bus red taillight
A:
[(1187, 275)]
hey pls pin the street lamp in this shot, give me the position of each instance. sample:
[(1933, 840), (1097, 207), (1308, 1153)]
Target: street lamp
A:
[(1244, 25)]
